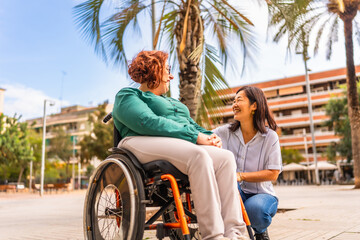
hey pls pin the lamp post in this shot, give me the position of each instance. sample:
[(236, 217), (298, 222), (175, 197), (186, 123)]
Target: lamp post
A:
[(31, 170), (308, 93), (307, 154), (52, 103), (79, 174), (311, 120), (73, 163)]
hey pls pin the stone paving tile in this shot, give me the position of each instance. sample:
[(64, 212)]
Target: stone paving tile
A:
[(355, 229), (347, 236), (322, 212), (53, 217)]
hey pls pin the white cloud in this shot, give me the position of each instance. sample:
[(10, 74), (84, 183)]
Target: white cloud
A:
[(28, 102)]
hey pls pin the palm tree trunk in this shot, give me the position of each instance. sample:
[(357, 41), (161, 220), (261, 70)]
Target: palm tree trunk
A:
[(190, 73), (353, 99)]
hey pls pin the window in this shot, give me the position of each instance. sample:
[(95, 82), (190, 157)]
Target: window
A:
[(291, 90), (72, 126)]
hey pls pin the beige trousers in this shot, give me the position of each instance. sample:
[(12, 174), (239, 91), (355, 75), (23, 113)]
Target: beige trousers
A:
[(212, 176)]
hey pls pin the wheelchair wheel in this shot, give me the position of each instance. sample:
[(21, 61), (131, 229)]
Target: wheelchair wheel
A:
[(113, 205), (170, 216)]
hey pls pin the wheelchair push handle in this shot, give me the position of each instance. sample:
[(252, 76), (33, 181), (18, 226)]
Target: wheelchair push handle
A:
[(107, 117)]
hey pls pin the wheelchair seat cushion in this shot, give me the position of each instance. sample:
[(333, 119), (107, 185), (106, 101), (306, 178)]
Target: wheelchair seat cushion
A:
[(164, 167)]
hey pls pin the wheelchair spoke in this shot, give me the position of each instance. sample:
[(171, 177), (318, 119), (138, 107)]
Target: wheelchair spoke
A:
[(106, 228), (109, 212), (110, 226)]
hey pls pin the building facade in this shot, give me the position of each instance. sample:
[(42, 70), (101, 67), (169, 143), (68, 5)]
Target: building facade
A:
[(73, 120), (287, 99)]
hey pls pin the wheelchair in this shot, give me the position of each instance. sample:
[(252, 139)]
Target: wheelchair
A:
[(120, 190)]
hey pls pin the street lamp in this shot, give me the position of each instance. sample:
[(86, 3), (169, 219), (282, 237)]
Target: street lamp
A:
[(31, 170), (73, 162), (308, 93), (52, 103), (307, 154)]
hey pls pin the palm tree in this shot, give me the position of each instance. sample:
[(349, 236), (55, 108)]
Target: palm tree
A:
[(181, 26), (299, 16)]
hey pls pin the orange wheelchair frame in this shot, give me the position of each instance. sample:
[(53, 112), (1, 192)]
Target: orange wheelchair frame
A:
[(182, 220)]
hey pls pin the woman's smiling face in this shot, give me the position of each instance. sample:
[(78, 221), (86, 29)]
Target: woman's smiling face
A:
[(242, 107)]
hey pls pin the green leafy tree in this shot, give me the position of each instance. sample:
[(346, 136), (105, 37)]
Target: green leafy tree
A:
[(61, 147), (55, 172), (299, 19), (291, 156), (181, 26), (15, 147), (89, 170), (100, 139), (35, 140), (339, 120)]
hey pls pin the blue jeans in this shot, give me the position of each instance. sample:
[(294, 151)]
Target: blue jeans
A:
[(261, 208)]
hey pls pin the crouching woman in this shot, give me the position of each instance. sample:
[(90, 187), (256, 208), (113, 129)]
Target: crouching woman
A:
[(255, 144)]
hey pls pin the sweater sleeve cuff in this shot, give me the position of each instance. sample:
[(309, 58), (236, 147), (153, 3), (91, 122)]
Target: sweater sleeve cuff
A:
[(195, 136)]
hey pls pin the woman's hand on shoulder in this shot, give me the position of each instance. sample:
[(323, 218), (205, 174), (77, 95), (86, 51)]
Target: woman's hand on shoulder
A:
[(212, 139)]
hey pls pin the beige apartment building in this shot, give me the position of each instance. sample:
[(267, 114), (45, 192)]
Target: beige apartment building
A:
[(73, 119), (288, 101)]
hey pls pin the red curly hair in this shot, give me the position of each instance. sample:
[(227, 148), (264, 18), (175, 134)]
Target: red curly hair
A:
[(148, 67)]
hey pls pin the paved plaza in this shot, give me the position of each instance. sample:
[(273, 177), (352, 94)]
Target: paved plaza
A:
[(306, 212), (317, 212), (55, 216)]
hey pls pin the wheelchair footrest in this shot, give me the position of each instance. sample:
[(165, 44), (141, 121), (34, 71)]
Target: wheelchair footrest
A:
[(161, 231)]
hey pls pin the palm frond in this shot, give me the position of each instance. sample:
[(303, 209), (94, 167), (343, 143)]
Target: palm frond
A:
[(333, 37), (195, 56), (87, 18), (238, 13), (228, 20), (216, 25), (183, 39), (318, 36), (156, 38), (357, 30), (114, 30), (210, 111), (292, 19), (168, 32)]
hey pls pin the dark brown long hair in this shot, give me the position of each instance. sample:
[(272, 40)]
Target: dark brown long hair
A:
[(148, 67), (262, 113)]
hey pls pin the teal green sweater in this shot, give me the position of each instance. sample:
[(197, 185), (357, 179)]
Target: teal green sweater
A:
[(138, 113)]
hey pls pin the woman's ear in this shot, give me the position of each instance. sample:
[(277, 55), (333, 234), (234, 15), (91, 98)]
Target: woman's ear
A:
[(253, 106)]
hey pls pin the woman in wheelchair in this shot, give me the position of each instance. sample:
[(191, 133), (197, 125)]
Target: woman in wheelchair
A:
[(258, 157), (153, 126)]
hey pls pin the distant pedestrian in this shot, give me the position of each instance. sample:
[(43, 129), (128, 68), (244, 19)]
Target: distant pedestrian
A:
[(258, 157)]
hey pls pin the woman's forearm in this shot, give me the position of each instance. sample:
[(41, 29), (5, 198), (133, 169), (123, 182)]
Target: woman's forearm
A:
[(259, 176)]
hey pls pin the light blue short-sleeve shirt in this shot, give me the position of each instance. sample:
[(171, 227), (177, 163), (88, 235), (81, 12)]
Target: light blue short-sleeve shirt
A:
[(260, 153)]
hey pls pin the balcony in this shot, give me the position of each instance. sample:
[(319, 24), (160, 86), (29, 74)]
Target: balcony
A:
[(300, 120), (322, 138), (319, 157), (71, 132), (318, 98)]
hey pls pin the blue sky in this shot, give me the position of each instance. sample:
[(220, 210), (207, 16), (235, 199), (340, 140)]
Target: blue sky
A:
[(39, 41)]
